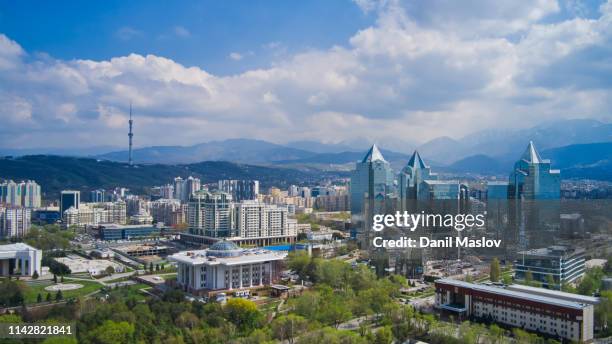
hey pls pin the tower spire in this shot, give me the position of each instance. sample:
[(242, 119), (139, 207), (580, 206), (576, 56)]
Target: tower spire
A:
[(130, 135)]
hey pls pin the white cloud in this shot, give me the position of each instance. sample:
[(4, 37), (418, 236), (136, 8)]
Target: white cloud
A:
[(235, 56), (127, 33), (418, 73), (181, 31)]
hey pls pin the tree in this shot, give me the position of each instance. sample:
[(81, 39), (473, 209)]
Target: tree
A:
[(550, 282), (383, 336), (243, 313), (11, 293), (495, 272), (298, 261), (507, 279), (156, 267), (62, 278), (110, 270), (35, 275), (528, 277), (48, 298), (59, 296), (54, 278), (496, 334), (151, 266), (288, 327), (38, 298), (111, 332), (335, 313)]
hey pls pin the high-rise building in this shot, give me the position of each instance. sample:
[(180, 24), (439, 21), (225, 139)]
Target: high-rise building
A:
[(371, 188), (255, 219), (240, 189), (185, 188), (210, 214), (168, 211), (15, 222), (24, 194), (534, 193), (69, 199), (410, 179), (97, 196), (533, 179)]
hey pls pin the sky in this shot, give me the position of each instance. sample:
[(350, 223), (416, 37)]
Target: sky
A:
[(280, 71)]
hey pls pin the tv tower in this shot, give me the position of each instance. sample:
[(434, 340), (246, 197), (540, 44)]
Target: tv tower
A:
[(130, 135)]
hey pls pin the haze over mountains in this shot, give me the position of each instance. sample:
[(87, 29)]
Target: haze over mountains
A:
[(577, 145)]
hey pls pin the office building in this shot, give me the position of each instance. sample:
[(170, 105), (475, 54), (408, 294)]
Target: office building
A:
[(564, 264), (15, 222), (240, 189), (24, 194), (127, 232), (550, 313), (410, 179), (370, 189), (97, 196), (535, 189), (225, 266), (20, 259), (69, 199)]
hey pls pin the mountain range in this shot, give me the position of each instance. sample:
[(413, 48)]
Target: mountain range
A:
[(576, 145)]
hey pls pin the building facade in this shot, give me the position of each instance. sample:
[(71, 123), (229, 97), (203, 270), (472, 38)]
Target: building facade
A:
[(15, 222), (561, 263), (225, 266), (370, 189), (550, 314), (240, 189), (20, 259), (24, 194)]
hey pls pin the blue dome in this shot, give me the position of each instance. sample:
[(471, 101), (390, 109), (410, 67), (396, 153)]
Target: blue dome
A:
[(224, 249)]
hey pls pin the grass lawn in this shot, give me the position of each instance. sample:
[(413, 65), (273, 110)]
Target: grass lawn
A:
[(39, 287), (131, 291), (169, 277), (269, 306)]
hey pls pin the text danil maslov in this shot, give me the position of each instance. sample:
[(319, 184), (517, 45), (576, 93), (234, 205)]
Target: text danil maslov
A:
[(459, 222)]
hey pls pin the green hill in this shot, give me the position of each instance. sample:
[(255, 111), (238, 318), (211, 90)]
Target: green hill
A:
[(56, 173)]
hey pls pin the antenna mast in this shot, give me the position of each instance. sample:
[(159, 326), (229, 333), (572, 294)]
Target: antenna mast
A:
[(130, 135)]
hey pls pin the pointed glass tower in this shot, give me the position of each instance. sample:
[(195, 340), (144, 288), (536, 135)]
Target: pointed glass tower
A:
[(410, 178), (533, 179), (534, 193), (371, 185)]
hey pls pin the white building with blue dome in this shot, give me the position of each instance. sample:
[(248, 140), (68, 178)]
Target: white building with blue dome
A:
[(225, 266)]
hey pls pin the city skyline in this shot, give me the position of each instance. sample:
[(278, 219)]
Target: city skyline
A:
[(428, 69)]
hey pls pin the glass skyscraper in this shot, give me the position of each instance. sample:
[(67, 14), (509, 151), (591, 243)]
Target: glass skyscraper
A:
[(371, 187), (534, 193)]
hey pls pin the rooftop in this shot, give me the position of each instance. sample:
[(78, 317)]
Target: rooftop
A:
[(246, 256), (16, 247), (374, 154), (555, 293), (552, 251), (525, 295)]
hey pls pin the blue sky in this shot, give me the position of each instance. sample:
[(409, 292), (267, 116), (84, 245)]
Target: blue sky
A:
[(323, 70), (196, 33)]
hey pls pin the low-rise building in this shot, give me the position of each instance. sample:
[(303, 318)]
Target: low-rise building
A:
[(225, 266), (127, 232), (564, 264), (20, 259), (539, 310)]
